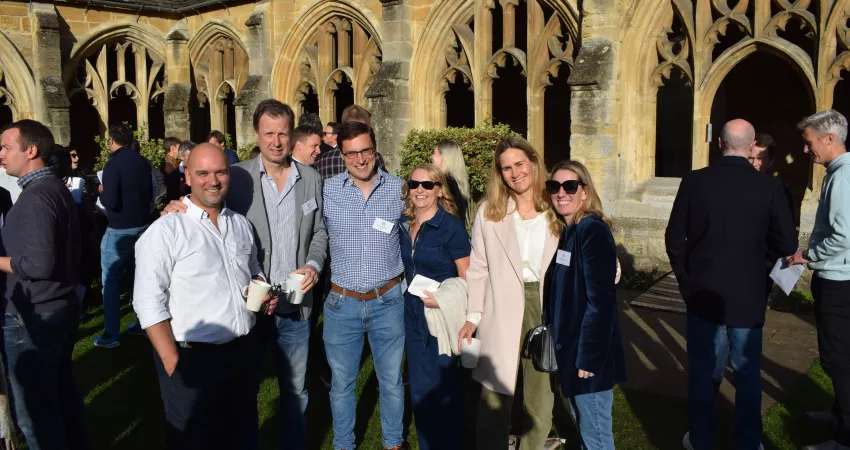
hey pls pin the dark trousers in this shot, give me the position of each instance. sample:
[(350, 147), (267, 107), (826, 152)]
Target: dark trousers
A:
[(832, 316), (211, 399), (46, 404), (436, 384)]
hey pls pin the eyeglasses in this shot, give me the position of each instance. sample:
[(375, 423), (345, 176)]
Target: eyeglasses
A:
[(366, 153), (326, 133), (570, 186), (428, 185), (74, 155)]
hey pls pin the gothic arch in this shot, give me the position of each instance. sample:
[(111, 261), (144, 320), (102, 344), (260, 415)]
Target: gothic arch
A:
[(17, 75), (139, 34), (302, 47), (211, 31)]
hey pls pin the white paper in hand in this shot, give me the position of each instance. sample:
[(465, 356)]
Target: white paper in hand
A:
[(786, 277), (421, 284)]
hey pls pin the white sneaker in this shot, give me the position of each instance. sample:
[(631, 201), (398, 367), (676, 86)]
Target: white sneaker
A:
[(822, 416), (829, 445), (686, 441)]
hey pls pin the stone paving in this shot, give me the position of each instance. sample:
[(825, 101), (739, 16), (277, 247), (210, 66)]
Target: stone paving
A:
[(656, 351)]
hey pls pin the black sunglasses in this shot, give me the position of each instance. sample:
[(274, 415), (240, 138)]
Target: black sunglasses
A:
[(428, 185), (570, 186)]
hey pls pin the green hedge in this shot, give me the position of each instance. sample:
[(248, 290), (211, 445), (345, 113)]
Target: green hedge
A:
[(477, 144)]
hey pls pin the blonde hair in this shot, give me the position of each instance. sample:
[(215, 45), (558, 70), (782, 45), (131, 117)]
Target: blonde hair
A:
[(498, 191), (454, 166), (446, 201), (593, 205)]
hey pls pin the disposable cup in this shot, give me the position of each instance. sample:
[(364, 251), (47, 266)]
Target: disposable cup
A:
[(469, 353), (293, 288), (254, 293)]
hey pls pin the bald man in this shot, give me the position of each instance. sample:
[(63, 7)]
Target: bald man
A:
[(190, 271), (726, 220)]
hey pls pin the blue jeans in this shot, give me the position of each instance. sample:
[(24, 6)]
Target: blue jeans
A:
[(593, 416), (703, 346), (436, 385), (722, 355), (45, 401), (382, 319), (293, 343), (117, 257)]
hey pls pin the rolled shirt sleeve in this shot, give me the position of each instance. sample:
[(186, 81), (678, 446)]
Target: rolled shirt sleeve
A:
[(154, 266)]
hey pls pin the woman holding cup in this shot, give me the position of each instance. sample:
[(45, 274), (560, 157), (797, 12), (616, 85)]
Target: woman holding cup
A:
[(434, 244), (579, 292), (514, 238)]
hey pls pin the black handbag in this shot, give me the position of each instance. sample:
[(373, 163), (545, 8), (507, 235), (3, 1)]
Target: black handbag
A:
[(540, 348)]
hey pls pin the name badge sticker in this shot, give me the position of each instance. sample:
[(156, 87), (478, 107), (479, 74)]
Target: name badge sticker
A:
[(382, 225), (309, 206), (563, 258)]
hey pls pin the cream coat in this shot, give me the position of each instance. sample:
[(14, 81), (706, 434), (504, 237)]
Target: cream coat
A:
[(495, 288)]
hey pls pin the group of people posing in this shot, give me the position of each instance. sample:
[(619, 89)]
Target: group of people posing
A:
[(540, 265)]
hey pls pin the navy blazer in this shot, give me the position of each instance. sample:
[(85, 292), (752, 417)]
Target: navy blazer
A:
[(583, 308)]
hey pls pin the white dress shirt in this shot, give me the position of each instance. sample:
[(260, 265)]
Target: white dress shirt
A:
[(531, 237), (192, 273)]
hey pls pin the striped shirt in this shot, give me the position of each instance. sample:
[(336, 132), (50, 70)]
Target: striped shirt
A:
[(281, 211), (362, 257), (36, 174)]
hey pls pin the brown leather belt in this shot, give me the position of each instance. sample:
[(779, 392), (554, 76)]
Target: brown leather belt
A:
[(365, 296)]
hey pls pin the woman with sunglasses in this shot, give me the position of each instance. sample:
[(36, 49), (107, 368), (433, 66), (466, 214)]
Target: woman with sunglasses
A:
[(434, 244), (514, 237), (581, 300)]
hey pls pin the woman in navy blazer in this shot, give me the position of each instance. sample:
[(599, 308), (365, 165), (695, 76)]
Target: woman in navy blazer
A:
[(579, 290)]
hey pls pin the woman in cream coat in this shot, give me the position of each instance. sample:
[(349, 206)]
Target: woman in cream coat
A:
[(514, 238)]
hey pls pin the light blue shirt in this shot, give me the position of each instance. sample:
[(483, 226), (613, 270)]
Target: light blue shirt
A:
[(363, 258)]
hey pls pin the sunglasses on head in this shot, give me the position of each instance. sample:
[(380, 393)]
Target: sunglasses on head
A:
[(570, 186), (428, 185)]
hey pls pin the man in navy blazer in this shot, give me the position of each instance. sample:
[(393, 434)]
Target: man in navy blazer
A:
[(726, 220)]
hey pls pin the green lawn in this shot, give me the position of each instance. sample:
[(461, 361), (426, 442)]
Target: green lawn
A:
[(124, 410)]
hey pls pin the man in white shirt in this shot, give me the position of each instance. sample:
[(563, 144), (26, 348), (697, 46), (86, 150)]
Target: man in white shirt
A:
[(190, 271), (307, 144)]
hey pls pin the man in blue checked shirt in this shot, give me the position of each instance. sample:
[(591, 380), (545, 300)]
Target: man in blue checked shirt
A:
[(362, 210)]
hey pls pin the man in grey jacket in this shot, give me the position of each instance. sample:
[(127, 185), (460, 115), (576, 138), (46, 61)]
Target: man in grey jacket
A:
[(283, 200)]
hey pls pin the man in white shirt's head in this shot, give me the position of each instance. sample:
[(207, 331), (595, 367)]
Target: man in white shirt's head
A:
[(190, 272), (307, 144)]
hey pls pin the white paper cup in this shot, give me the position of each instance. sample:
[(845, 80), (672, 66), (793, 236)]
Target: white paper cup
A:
[(255, 292), (469, 353), (293, 288)]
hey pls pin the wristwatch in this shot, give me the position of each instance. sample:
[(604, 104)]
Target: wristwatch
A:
[(806, 255)]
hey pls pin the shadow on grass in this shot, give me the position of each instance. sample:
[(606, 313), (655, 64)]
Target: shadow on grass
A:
[(786, 426)]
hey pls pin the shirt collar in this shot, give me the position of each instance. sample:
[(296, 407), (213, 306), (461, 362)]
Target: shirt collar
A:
[(438, 217), (379, 179), (196, 212), (35, 175), (292, 163)]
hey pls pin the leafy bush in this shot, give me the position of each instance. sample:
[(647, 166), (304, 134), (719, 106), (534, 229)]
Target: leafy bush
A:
[(149, 148), (244, 152), (477, 144), (640, 280)]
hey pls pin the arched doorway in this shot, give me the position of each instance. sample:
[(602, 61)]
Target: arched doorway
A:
[(773, 104), (510, 105), (460, 103), (557, 120), (343, 96)]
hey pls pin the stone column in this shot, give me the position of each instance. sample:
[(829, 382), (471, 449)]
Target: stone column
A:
[(594, 132), (175, 107), (51, 100), (256, 87), (390, 92)]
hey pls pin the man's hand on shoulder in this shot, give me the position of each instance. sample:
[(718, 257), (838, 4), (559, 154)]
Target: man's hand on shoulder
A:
[(174, 206)]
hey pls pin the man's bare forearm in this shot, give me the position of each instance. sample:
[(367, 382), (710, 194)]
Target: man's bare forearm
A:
[(162, 340), (6, 264)]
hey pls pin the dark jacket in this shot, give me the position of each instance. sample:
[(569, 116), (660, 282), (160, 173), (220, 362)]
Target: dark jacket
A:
[(127, 189), (726, 220), (42, 235), (173, 179), (582, 302), (232, 157)]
